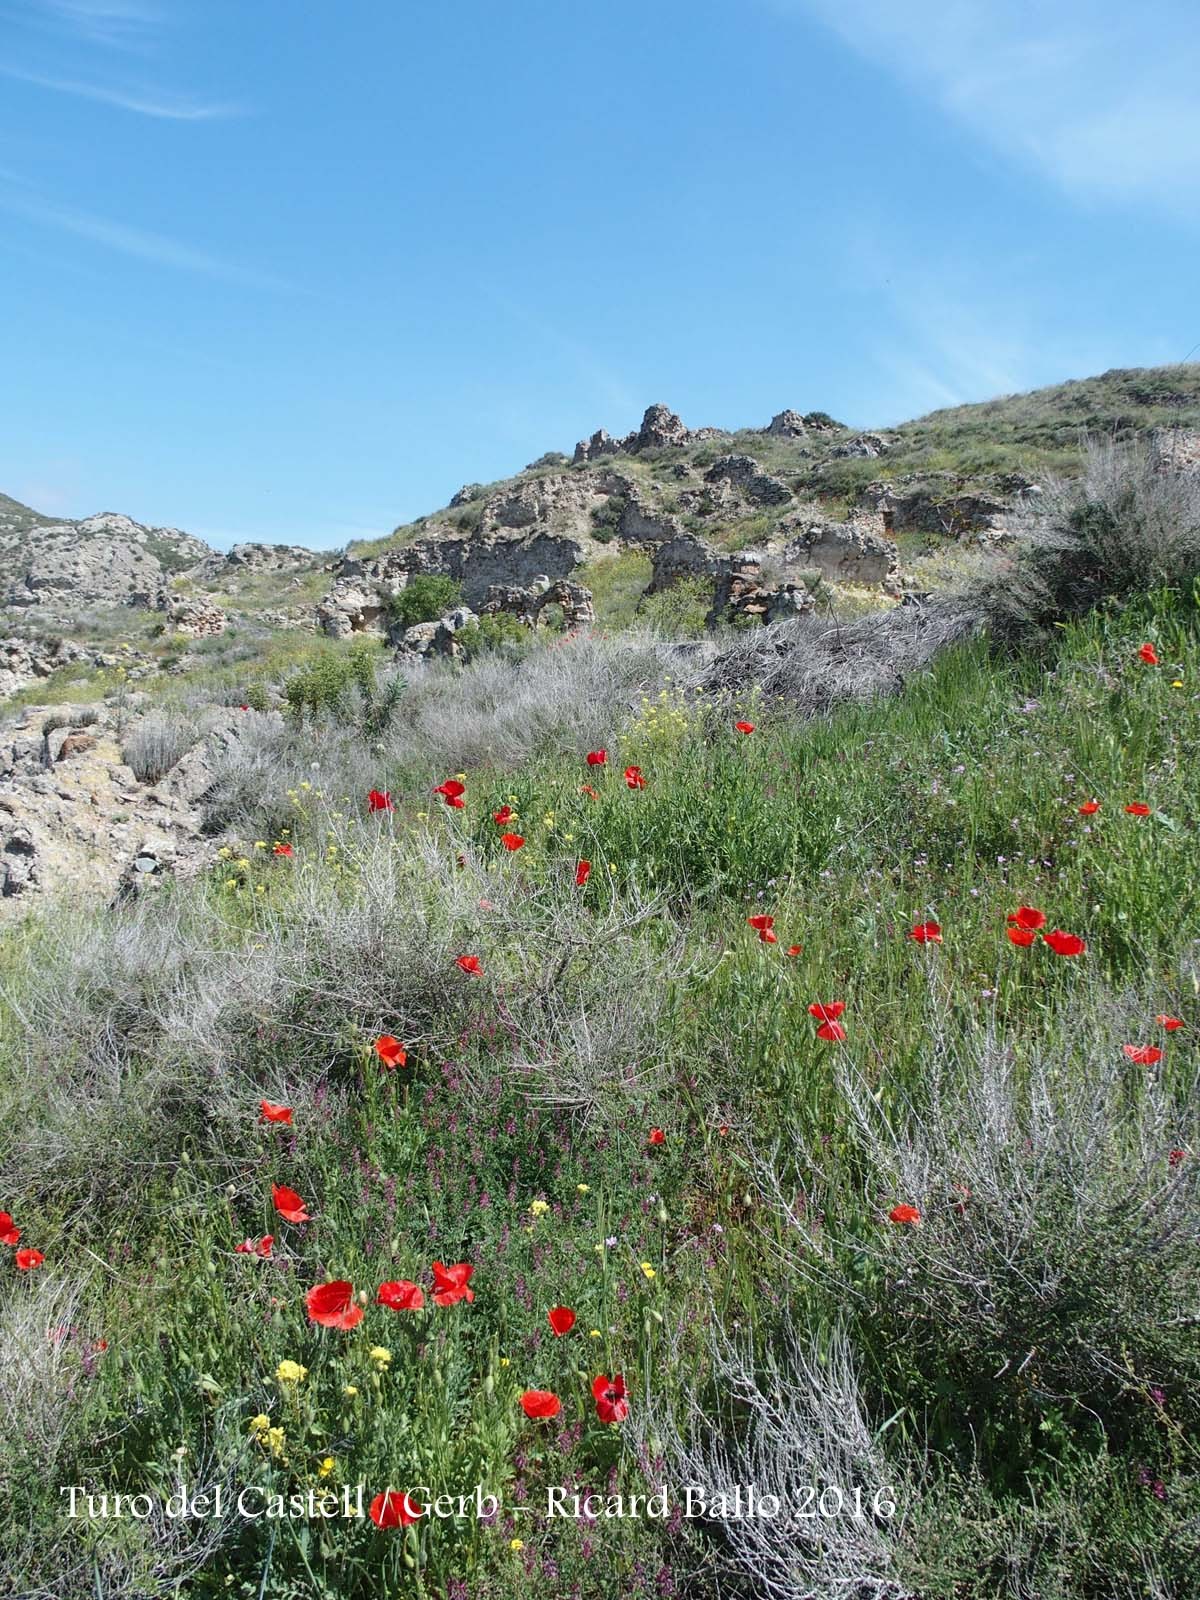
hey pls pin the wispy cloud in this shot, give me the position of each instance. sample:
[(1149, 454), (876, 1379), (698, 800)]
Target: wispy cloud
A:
[(131, 241), (1098, 95), (113, 22), (147, 103)]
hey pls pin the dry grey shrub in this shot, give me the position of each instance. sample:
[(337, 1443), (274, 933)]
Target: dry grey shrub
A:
[(155, 743), (1057, 1241), (136, 1031), (791, 1422), (816, 663), (1129, 525), (34, 1384), (563, 697)]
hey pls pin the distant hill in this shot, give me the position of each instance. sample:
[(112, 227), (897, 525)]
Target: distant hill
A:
[(947, 471)]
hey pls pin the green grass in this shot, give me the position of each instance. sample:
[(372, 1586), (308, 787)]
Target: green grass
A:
[(517, 1139)]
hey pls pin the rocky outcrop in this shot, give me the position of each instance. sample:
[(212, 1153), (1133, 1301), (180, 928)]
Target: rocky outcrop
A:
[(786, 425), (73, 815), (24, 661), (103, 560), (937, 504), (565, 502), (842, 552), (196, 616), (864, 445), (438, 638), (661, 429), (744, 475), (527, 604)]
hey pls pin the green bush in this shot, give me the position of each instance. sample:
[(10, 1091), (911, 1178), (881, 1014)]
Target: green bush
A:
[(498, 633), (425, 598)]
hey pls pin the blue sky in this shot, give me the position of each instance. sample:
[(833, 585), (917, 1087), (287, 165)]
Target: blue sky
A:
[(296, 271)]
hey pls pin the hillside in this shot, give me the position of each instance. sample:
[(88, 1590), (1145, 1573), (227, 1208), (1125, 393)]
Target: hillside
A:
[(623, 1064)]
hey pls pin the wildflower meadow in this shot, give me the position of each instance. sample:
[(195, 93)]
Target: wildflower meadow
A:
[(708, 1109)]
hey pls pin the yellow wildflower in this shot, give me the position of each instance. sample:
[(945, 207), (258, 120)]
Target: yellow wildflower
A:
[(505, 1362), (583, 1188), (595, 1334), (381, 1356), (260, 1423), (325, 1468), (539, 1207), (648, 1270), (291, 1372), (350, 1391), (516, 1544), (276, 1439)]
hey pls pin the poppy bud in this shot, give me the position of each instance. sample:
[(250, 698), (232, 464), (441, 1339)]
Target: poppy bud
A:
[(230, 1190), (662, 1212), (489, 1385), (362, 1297), (185, 1160), (657, 1316)]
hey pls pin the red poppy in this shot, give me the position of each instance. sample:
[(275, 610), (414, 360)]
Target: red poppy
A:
[(586, 788), (656, 1136), (744, 727), (262, 1247), (451, 789), (583, 871), (450, 1284), (390, 1051), (1175, 1157), (1022, 937), (905, 1214), (395, 1510), (243, 708), (284, 850), (597, 758), (540, 1405), (1138, 808), (471, 964), (1089, 808), (1149, 655), (1027, 917), (761, 921), (8, 1234), (561, 1320), (379, 800), (794, 949), (401, 1295), (1064, 944), (960, 1206), (829, 1012), (1167, 1023), (332, 1305), (511, 841), (926, 933), (1143, 1055), (289, 1204), (272, 1113), (609, 1395), (831, 1032), (634, 779), (502, 816), (28, 1259)]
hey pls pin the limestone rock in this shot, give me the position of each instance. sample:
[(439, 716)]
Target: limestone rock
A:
[(787, 425), (745, 475), (196, 616), (103, 560), (841, 551)]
